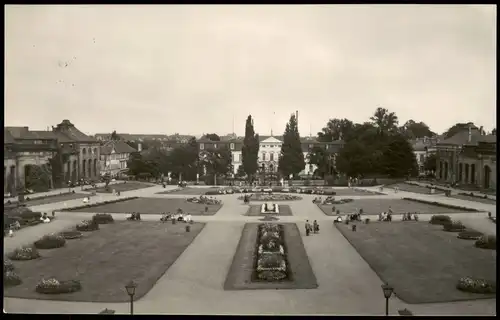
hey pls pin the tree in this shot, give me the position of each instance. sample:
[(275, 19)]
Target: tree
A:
[(115, 136), (37, 178), (183, 160), (240, 173), (218, 161), (292, 158), (412, 130), (430, 163), (212, 137), (494, 131), (250, 149), (136, 165), (398, 158), (321, 158), (384, 120), (334, 129), (354, 159), (135, 145)]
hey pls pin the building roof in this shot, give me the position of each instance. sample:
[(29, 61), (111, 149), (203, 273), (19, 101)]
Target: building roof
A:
[(72, 133), (118, 146), (7, 137), (44, 135), (489, 138), (462, 138), (19, 132)]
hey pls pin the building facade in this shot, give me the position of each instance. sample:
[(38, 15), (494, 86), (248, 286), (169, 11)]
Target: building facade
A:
[(269, 151), (423, 148), (468, 158), (114, 156)]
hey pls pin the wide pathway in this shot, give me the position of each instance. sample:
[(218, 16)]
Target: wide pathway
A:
[(194, 283)]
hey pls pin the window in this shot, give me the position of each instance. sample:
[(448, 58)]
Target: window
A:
[(271, 156), (202, 146), (236, 158), (231, 146), (264, 156)]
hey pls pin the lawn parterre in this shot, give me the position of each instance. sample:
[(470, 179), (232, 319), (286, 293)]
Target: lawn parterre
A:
[(244, 271), (86, 207), (154, 206), (55, 199), (398, 206), (99, 262), (121, 187), (420, 261), (415, 188), (189, 191)]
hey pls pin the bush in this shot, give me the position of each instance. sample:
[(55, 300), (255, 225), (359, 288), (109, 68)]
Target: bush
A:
[(50, 241), (470, 235), (486, 242), (53, 286), (10, 278), (472, 285), (440, 219), (24, 253), (87, 225), (455, 226), (103, 218), (68, 235)]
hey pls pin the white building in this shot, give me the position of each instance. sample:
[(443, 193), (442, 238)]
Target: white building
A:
[(114, 157)]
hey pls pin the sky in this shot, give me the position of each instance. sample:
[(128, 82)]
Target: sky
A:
[(201, 69)]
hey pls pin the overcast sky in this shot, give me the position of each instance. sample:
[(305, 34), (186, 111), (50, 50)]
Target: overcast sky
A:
[(192, 69)]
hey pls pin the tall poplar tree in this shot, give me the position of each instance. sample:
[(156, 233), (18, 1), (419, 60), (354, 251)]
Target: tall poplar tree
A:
[(250, 149), (292, 158)]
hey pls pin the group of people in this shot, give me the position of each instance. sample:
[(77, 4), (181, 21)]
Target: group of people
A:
[(176, 216), (409, 216), (312, 228), (136, 216)]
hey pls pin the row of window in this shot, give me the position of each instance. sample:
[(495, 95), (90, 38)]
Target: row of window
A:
[(231, 146), (115, 156)]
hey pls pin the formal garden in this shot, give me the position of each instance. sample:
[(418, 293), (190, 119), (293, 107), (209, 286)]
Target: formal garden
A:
[(270, 256), (398, 206), (428, 262), (153, 206), (93, 261)]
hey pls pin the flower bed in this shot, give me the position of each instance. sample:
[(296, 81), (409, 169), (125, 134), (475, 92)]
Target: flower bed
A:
[(54, 286), (440, 219), (270, 263), (470, 235), (443, 205), (99, 204), (472, 285), (10, 279), (103, 218), (24, 253), (87, 225), (272, 197), (454, 226), (331, 200), (487, 242), (69, 235), (471, 194), (50, 241), (204, 200)]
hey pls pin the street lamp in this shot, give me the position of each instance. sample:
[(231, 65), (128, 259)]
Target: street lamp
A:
[(388, 290), (130, 287)]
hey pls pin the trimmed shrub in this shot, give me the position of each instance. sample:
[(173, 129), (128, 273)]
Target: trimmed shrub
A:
[(440, 219), (470, 235), (24, 253), (7, 265), (87, 225), (69, 235), (469, 284), (10, 279), (103, 218), (455, 226), (53, 286), (50, 241), (487, 242)]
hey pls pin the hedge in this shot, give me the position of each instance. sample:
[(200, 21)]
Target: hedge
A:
[(487, 242), (444, 205), (455, 226), (50, 241), (103, 218), (440, 219)]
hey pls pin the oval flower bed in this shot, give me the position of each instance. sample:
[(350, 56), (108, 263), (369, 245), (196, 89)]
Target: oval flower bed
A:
[(271, 263), (54, 286), (455, 226), (69, 235), (440, 219), (472, 285), (470, 235), (50, 241), (24, 253), (10, 278), (87, 225)]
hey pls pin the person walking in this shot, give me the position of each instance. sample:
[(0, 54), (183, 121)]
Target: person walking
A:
[(308, 228), (316, 226)]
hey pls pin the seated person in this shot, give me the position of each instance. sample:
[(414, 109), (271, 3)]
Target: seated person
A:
[(187, 218), (45, 218), (86, 200), (138, 216), (180, 217), (164, 216), (338, 219), (16, 225)]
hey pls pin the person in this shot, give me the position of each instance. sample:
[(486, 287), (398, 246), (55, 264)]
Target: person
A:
[(338, 219), (381, 216), (164, 217), (11, 233), (308, 227), (389, 216), (86, 200), (187, 218), (16, 225), (45, 218), (316, 226)]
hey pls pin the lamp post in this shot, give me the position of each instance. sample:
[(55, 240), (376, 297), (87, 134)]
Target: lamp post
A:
[(130, 287), (388, 290)]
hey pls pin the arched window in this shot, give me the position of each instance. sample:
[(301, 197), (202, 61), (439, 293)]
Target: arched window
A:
[(84, 152)]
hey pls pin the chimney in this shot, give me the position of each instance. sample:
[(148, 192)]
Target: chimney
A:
[(139, 147), (481, 131), (469, 138)]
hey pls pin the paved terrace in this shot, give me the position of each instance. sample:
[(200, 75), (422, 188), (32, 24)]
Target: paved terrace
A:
[(193, 284)]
